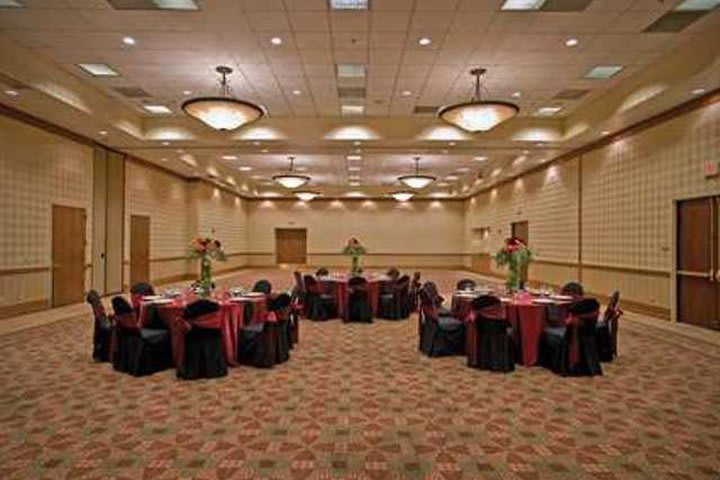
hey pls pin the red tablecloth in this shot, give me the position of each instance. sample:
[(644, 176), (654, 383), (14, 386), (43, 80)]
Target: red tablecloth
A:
[(232, 319), (338, 288), (527, 319)]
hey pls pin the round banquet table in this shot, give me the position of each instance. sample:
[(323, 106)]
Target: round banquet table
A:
[(337, 286), (528, 319), (232, 312)]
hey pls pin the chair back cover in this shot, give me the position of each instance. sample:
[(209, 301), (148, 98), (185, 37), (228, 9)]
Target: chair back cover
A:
[(311, 285), (584, 306), (612, 307), (263, 286), (142, 288), (433, 293), (393, 273), (299, 284), (322, 272), (573, 289), (486, 301), (93, 299), (465, 284), (121, 306), (199, 308), (357, 283), (280, 302)]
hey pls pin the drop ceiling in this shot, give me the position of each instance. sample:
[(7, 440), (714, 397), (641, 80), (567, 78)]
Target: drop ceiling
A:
[(175, 53)]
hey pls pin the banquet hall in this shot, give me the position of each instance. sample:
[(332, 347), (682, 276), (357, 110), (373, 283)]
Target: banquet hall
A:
[(360, 239)]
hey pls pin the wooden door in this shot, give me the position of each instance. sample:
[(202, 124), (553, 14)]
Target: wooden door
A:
[(291, 245), (68, 255), (139, 249), (521, 230), (698, 287)]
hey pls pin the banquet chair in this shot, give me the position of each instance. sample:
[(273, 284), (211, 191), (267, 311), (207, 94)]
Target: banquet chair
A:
[(440, 334), (572, 349), (259, 339), (394, 302), (494, 340), (359, 308), (414, 291), (139, 290), (263, 286), (204, 354), (466, 284), (393, 273), (318, 304), (299, 289), (606, 331), (137, 351), (322, 272), (281, 306), (102, 328), (573, 289)]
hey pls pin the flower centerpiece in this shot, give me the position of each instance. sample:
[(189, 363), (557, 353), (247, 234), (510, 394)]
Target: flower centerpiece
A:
[(515, 254), (354, 250), (206, 249)]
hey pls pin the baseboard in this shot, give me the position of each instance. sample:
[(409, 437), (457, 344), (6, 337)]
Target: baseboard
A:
[(23, 308)]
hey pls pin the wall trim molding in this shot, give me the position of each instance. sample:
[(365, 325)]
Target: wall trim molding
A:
[(23, 308), (23, 270)]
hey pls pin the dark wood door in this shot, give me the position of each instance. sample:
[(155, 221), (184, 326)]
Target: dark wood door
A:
[(521, 230), (68, 255), (698, 283), (291, 245), (139, 249)]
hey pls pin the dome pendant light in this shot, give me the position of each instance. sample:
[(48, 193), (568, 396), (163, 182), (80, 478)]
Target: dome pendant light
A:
[(478, 115), (223, 112), (291, 180), (416, 180)]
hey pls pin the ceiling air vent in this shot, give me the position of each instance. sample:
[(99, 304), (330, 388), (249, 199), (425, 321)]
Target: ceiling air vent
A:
[(565, 5), (132, 92), (571, 94), (425, 110), (351, 92), (674, 21)]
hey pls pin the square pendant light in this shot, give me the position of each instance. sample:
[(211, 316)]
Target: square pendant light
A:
[(157, 109), (603, 71)]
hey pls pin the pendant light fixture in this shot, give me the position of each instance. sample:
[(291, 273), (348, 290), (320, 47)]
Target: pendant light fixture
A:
[(416, 180), (223, 112), (402, 196), (291, 180), (307, 195), (478, 115)]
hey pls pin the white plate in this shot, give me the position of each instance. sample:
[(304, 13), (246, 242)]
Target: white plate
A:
[(561, 297), (149, 298), (254, 294), (544, 301), (162, 301)]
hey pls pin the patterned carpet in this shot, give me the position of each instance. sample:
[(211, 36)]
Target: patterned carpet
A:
[(357, 402)]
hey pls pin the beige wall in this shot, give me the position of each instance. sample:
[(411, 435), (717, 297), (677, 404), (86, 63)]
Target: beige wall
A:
[(37, 169), (625, 191), (419, 233)]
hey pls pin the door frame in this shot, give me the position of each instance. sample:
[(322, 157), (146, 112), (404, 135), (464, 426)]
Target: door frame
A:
[(130, 242), (51, 278), (673, 251), (303, 229)]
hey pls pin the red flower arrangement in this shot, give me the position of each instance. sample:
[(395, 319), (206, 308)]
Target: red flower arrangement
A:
[(206, 246)]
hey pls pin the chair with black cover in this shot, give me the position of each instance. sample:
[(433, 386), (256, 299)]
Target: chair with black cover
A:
[(440, 334), (138, 291), (204, 354), (259, 340), (280, 306), (263, 286), (318, 304), (606, 331), (573, 289), (359, 308), (393, 273), (571, 349), (102, 328), (494, 342), (394, 301), (137, 351), (322, 272), (414, 291), (466, 284), (299, 288)]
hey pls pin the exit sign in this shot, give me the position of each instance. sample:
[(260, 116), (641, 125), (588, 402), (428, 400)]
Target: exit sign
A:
[(711, 169)]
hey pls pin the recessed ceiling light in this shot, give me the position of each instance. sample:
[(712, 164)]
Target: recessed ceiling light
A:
[(354, 184), (352, 109), (406, 93), (496, 172), (166, 143), (522, 5), (264, 150), (10, 4), (547, 111), (699, 91), (357, 142), (424, 41), (354, 157), (163, 159), (605, 132), (443, 184), (244, 168), (603, 71), (128, 40), (12, 93), (463, 170), (697, 5), (572, 42), (350, 70), (98, 69), (402, 196), (480, 158), (229, 157), (187, 92), (256, 143), (103, 132), (452, 144), (349, 4), (296, 92), (157, 109), (516, 94), (354, 168), (307, 195), (451, 178), (276, 41)]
